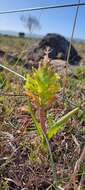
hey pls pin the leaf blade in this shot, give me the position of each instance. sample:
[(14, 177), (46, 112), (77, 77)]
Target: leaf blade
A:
[(52, 131)]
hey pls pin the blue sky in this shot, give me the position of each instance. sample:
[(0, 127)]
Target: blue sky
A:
[(54, 20)]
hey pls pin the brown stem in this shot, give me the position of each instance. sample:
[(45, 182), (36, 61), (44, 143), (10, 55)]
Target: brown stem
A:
[(42, 119)]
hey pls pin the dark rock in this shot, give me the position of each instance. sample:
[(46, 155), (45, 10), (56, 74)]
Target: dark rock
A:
[(1, 69), (31, 63), (59, 45), (10, 57), (59, 49), (26, 66), (2, 53)]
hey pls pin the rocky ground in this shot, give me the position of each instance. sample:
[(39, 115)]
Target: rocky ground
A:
[(24, 163)]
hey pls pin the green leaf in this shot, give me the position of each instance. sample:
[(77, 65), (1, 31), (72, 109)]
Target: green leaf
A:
[(52, 131), (43, 83)]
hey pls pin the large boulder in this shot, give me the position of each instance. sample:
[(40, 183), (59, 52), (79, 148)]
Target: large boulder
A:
[(59, 48)]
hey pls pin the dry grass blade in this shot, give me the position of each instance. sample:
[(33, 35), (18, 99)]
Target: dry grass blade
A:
[(76, 142), (14, 72), (16, 181), (76, 169), (79, 161)]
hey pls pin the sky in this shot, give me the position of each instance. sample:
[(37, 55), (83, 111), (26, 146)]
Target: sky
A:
[(54, 20)]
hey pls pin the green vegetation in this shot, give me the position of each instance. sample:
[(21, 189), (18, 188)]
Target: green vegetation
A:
[(42, 86), (15, 44), (2, 81), (41, 129)]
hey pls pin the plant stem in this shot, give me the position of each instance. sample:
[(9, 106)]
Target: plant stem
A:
[(41, 129), (37, 124), (51, 160), (42, 119)]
